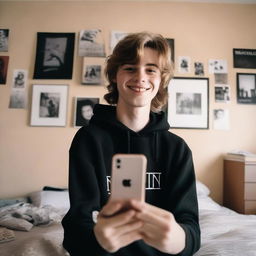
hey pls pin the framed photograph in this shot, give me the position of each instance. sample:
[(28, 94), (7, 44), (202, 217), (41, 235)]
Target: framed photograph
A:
[(246, 88), (244, 58), (84, 110), (54, 56), (188, 103), (49, 105)]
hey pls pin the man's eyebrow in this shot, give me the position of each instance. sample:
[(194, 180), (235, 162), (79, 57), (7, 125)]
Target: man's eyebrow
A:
[(152, 64)]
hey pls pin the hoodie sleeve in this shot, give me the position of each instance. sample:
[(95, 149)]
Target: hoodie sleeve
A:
[(184, 198), (79, 238)]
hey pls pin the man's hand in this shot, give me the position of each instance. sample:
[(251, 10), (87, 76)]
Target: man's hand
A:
[(160, 229), (116, 227)]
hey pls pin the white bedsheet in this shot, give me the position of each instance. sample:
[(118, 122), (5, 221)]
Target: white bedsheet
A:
[(225, 232)]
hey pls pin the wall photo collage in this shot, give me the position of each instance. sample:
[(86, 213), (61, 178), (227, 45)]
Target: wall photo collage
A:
[(188, 104)]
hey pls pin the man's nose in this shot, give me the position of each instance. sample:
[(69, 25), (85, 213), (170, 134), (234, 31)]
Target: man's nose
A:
[(140, 76)]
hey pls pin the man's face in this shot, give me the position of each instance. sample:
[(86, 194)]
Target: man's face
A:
[(138, 84), (87, 112)]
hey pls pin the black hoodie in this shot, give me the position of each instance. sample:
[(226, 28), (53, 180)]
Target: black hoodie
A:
[(170, 180)]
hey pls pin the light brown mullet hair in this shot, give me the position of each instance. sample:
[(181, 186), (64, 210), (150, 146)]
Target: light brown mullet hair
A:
[(129, 51)]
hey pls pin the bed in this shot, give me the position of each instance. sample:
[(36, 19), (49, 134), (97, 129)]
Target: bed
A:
[(224, 232)]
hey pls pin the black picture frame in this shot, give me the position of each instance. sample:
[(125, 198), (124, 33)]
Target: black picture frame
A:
[(244, 58), (246, 88), (54, 55), (188, 103)]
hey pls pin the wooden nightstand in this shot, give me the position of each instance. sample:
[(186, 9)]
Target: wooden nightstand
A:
[(240, 186)]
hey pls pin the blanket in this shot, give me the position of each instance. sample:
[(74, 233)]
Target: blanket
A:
[(23, 216)]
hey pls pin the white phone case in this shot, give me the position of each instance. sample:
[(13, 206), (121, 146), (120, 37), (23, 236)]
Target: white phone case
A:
[(128, 176)]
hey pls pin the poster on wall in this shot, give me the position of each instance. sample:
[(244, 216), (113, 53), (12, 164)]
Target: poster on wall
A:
[(54, 56), (4, 36), (244, 58), (3, 68)]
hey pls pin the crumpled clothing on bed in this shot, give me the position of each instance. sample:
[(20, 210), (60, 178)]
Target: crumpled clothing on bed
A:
[(29, 214)]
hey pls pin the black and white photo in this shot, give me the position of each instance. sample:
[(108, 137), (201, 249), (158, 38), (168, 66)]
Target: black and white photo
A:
[(199, 68), (49, 105), (91, 75), (17, 99), (221, 119), (246, 88), (54, 56), (217, 66), (221, 78), (19, 78), (91, 43), (184, 63), (188, 103), (19, 91), (222, 93), (4, 38), (84, 110)]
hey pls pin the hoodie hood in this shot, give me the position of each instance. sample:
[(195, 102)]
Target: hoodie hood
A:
[(145, 141)]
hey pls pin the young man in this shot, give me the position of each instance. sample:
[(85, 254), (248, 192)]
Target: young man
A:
[(167, 223)]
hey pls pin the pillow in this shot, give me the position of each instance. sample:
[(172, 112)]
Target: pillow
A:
[(15, 223), (208, 204), (57, 199), (202, 189)]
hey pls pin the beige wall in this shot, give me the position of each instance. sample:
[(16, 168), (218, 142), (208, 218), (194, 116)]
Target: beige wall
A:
[(31, 157)]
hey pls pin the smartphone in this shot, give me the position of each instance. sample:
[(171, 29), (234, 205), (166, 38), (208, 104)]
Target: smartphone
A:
[(128, 176)]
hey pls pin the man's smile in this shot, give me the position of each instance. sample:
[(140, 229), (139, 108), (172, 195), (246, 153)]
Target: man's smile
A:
[(138, 88)]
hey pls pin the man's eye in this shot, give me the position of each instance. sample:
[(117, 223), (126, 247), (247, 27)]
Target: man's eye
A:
[(130, 69), (151, 70)]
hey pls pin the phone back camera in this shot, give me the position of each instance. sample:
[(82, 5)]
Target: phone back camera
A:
[(118, 163)]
